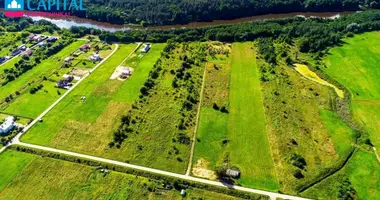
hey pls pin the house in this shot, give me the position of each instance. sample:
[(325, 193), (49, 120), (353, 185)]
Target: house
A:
[(41, 44), (52, 39), (37, 38), (65, 83), (31, 36), (15, 52), (68, 59), (95, 57), (125, 73), (145, 49), (233, 173), (2, 59), (84, 47), (7, 125), (28, 52), (22, 47)]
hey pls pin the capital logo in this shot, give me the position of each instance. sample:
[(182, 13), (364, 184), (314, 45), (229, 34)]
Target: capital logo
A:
[(14, 5)]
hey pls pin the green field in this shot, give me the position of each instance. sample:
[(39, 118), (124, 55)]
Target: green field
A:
[(31, 105), (359, 58), (87, 127), (45, 68), (360, 175), (238, 137), (249, 147), (33, 177)]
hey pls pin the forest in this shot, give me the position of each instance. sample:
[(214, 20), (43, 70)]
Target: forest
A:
[(164, 12)]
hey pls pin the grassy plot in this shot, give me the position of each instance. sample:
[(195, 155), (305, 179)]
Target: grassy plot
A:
[(359, 59), (45, 68), (359, 179), (61, 127), (157, 130), (248, 147), (88, 127), (341, 134), (142, 64), (212, 130), (48, 178), (11, 164), (303, 145), (45, 96)]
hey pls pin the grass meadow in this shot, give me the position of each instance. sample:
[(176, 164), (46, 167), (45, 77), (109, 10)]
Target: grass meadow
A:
[(238, 137), (33, 177), (359, 59)]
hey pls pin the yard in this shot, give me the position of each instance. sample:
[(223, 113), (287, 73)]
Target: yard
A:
[(32, 78)]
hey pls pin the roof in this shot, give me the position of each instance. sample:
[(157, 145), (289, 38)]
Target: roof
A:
[(231, 172), (8, 123)]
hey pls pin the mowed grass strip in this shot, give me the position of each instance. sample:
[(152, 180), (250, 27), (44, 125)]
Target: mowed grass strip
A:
[(11, 164), (97, 89), (47, 178), (44, 68), (249, 147)]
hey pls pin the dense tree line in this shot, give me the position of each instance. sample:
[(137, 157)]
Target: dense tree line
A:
[(162, 12), (312, 35)]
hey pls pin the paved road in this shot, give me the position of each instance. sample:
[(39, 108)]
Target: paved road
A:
[(272, 195), (16, 141)]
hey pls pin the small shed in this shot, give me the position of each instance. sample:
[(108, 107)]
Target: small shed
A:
[(233, 173), (183, 192)]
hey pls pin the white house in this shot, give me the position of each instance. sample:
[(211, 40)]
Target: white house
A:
[(95, 57), (7, 125), (145, 49)]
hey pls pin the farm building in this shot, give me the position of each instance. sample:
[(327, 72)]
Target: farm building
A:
[(95, 57), (85, 47), (145, 49), (233, 173), (7, 125)]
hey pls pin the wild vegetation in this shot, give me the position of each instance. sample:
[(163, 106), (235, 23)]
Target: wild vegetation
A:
[(26, 174)]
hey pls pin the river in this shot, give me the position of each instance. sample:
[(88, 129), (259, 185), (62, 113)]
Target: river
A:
[(69, 21)]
